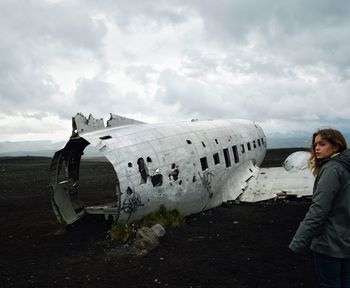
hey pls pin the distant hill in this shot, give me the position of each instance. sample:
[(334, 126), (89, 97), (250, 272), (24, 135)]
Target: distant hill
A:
[(32, 148), (293, 139), (275, 141), (44, 148), (47, 148)]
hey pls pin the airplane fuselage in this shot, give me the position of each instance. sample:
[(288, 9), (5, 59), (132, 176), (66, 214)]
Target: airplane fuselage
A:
[(189, 166)]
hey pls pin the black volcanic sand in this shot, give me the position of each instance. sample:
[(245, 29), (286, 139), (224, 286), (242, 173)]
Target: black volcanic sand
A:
[(241, 245)]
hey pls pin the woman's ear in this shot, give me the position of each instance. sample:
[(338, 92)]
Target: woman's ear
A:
[(335, 148)]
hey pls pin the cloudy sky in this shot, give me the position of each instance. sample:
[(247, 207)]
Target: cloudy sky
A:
[(285, 64)]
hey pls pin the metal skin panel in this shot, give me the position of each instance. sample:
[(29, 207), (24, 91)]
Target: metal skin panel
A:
[(294, 178), (160, 164)]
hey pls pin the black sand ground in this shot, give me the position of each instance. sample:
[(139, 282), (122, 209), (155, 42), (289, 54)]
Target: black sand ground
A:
[(233, 246)]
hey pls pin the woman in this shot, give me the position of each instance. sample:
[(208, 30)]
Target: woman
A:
[(326, 226)]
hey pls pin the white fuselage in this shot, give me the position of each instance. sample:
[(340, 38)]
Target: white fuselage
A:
[(189, 166)]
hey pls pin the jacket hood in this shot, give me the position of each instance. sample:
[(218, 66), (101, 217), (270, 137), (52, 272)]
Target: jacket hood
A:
[(343, 158)]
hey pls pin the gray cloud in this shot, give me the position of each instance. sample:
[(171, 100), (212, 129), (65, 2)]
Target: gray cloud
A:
[(302, 32), (127, 14), (141, 73), (44, 23), (283, 63), (197, 99), (100, 98), (36, 33)]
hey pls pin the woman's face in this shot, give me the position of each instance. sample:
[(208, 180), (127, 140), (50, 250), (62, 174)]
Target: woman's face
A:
[(323, 148)]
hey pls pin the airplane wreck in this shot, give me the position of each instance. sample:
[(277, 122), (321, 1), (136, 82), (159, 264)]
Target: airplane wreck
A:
[(190, 166)]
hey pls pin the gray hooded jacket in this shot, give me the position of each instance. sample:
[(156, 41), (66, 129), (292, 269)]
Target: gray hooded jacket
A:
[(326, 226)]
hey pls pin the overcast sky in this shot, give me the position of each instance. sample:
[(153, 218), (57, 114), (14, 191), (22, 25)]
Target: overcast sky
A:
[(285, 64)]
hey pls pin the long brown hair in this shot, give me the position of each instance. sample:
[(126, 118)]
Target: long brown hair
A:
[(334, 137)]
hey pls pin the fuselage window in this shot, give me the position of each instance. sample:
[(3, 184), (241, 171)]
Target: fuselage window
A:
[(259, 142), (254, 144), (203, 144), (227, 157), (188, 141), (248, 145), (204, 163), (216, 141), (216, 158), (262, 141), (242, 148), (143, 170), (235, 154), (106, 137)]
